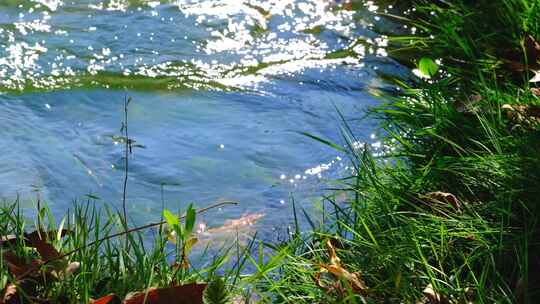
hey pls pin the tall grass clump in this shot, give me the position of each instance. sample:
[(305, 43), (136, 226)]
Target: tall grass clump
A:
[(89, 255), (448, 214)]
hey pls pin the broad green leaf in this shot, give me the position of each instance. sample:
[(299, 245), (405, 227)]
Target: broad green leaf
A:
[(190, 220), (428, 67), (172, 220)]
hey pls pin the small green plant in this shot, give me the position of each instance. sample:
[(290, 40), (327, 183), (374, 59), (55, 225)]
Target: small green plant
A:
[(216, 292), (182, 234)]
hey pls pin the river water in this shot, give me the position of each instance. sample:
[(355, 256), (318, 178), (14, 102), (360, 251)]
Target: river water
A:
[(220, 90)]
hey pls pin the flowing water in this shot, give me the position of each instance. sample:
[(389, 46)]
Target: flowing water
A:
[(220, 88)]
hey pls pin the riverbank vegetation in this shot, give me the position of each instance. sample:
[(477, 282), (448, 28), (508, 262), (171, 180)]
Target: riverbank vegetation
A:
[(447, 214)]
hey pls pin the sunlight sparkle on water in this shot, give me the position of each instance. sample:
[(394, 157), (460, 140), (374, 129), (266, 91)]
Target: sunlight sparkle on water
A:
[(241, 43)]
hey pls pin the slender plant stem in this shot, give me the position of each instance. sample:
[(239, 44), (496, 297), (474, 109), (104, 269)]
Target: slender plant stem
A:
[(126, 158)]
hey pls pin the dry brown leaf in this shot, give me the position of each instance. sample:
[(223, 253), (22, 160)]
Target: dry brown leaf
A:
[(516, 67), (467, 106), (46, 250), (535, 91), (46, 235), (62, 271), (17, 266), (109, 299), (532, 49), (527, 115), (10, 295), (536, 77), (433, 297), (353, 280), (469, 295), (517, 64), (8, 240), (445, 198), (11, 239), (188, 293)]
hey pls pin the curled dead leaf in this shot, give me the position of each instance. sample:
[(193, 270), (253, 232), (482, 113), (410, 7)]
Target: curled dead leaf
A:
[(11, 239), (525, 115), (46, 250), (432, 297), (353, 280), (527, 62), (467, 106), (535, 91), (10, 295), (445, 198), (64, 272), (8, 240), (536, 76), (18, 266), (108, 299), (469, 295), (188, 293), (532, 49)]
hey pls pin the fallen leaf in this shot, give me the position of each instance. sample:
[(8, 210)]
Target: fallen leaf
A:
[(46, 235), (46, 250), (528, 115), (72, 267), (188, 293), (535, 91), (532, 49), (17, 266), (469, 295), (445, 198), (109, 299), (517, 64), (10, 295), (467, 106), (433, 297), (516, 67), (8, 240), (57, 267), (62, 271), (11, 239), (334, 259), (353, 280), (536, 77)]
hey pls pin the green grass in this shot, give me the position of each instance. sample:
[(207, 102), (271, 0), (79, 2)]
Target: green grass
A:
[(128, 263), (447, 215), (450, 134)]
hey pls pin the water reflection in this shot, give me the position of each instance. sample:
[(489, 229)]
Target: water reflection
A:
[(221, 90), (226, 44)]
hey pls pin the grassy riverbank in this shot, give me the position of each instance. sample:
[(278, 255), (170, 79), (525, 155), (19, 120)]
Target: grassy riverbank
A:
[(450, 213), (447, 215)]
